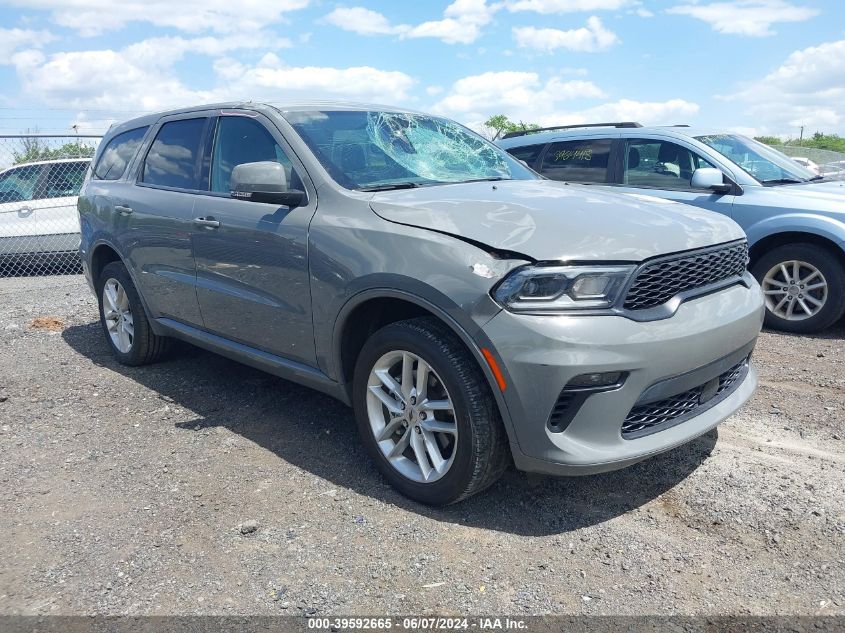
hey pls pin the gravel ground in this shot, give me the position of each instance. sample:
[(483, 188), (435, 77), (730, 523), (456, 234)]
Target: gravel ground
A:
[(202, 486)]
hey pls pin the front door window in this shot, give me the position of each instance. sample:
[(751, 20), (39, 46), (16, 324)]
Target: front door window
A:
[(658, 164)]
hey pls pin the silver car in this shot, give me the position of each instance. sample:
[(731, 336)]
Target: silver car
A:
[(794, 218), (472, 314)]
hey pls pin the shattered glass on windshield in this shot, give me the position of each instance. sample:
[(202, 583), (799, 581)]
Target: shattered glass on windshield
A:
[(378, 150), (435, 149)]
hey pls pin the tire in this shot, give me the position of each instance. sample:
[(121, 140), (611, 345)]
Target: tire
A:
[(479, 452), (829, 273), (144, 346)]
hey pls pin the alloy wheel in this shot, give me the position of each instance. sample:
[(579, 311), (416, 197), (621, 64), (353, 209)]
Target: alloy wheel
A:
[(795, 290), (118, 316), (411, 416)]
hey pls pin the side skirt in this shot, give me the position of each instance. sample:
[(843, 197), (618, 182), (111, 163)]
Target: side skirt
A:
[(272, 364)]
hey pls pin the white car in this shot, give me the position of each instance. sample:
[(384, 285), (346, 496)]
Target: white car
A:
[(38, 207)]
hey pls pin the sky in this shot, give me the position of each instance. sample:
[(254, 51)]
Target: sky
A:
[(752, 66)]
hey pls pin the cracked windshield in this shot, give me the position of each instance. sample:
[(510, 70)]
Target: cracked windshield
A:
[(378, 151)]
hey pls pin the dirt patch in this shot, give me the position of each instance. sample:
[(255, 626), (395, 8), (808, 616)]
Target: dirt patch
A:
[(49, 323)]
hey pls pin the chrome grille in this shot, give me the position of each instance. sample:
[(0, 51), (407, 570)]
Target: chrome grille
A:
[(656, 416), (661, 280)]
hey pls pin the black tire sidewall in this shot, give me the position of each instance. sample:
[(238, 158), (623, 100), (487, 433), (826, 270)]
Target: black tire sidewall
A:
[(828, 264), (453, 484), (140, 340)]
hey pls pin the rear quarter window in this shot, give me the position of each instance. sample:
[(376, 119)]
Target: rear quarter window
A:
[(528, 153), (116, 156)]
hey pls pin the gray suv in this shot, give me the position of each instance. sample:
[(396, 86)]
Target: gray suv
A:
[(472, 313)]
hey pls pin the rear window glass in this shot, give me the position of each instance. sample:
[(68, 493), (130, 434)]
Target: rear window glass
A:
[(172, 159), (118, 153), (577, 161)]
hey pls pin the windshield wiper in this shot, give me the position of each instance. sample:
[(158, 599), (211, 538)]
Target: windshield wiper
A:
[(392, 186), (782, 181), (819, 177)]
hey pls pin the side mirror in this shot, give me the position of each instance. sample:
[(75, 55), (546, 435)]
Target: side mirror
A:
[(709, 178), (264, 181)]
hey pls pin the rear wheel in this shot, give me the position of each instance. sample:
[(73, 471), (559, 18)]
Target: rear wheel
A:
[(426, 414), (124, 320), (804, 286)]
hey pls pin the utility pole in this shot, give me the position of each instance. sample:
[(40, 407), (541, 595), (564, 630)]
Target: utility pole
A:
[(75, 128), (801, 137)]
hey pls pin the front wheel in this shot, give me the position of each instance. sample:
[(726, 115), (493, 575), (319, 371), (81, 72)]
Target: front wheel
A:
[(425, 413), (804, 286)]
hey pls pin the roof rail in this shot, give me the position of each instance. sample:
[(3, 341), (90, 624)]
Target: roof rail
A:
[(571, 127)]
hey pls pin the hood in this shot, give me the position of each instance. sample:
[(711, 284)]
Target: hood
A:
[(826, 197), (549, 220)]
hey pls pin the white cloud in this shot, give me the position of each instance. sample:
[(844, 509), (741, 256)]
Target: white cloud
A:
[(524, 96), (520, 95), (272, 79), (159, 51), (101, 79), (668, 112), (589, 39), (462, 22), (143, 75), (92, 17), (363, 21), (14, 40), (808, 89), (566, 6), (752, 18)]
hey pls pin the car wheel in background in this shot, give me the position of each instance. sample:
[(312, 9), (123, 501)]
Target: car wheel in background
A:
[(124, 320), (426, 414), (804, 286)]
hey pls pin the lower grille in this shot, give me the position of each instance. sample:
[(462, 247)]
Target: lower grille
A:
[(656, 416)]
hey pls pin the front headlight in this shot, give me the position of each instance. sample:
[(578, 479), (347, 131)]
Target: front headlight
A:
[(562, 288)]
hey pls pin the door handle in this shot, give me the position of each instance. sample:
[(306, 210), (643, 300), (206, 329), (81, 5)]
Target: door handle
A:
[(123, 210), (25, 211), (208, 222)]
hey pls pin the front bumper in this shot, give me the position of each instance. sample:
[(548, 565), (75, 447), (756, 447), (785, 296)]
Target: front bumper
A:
[(541, 354)]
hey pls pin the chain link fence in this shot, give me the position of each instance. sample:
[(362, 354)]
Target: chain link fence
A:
[(40, 178), (828, 163)]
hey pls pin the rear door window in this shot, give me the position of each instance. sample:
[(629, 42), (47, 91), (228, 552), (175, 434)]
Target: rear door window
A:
[(65, 179), (117, 154), (173, 157), (584, 160)]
